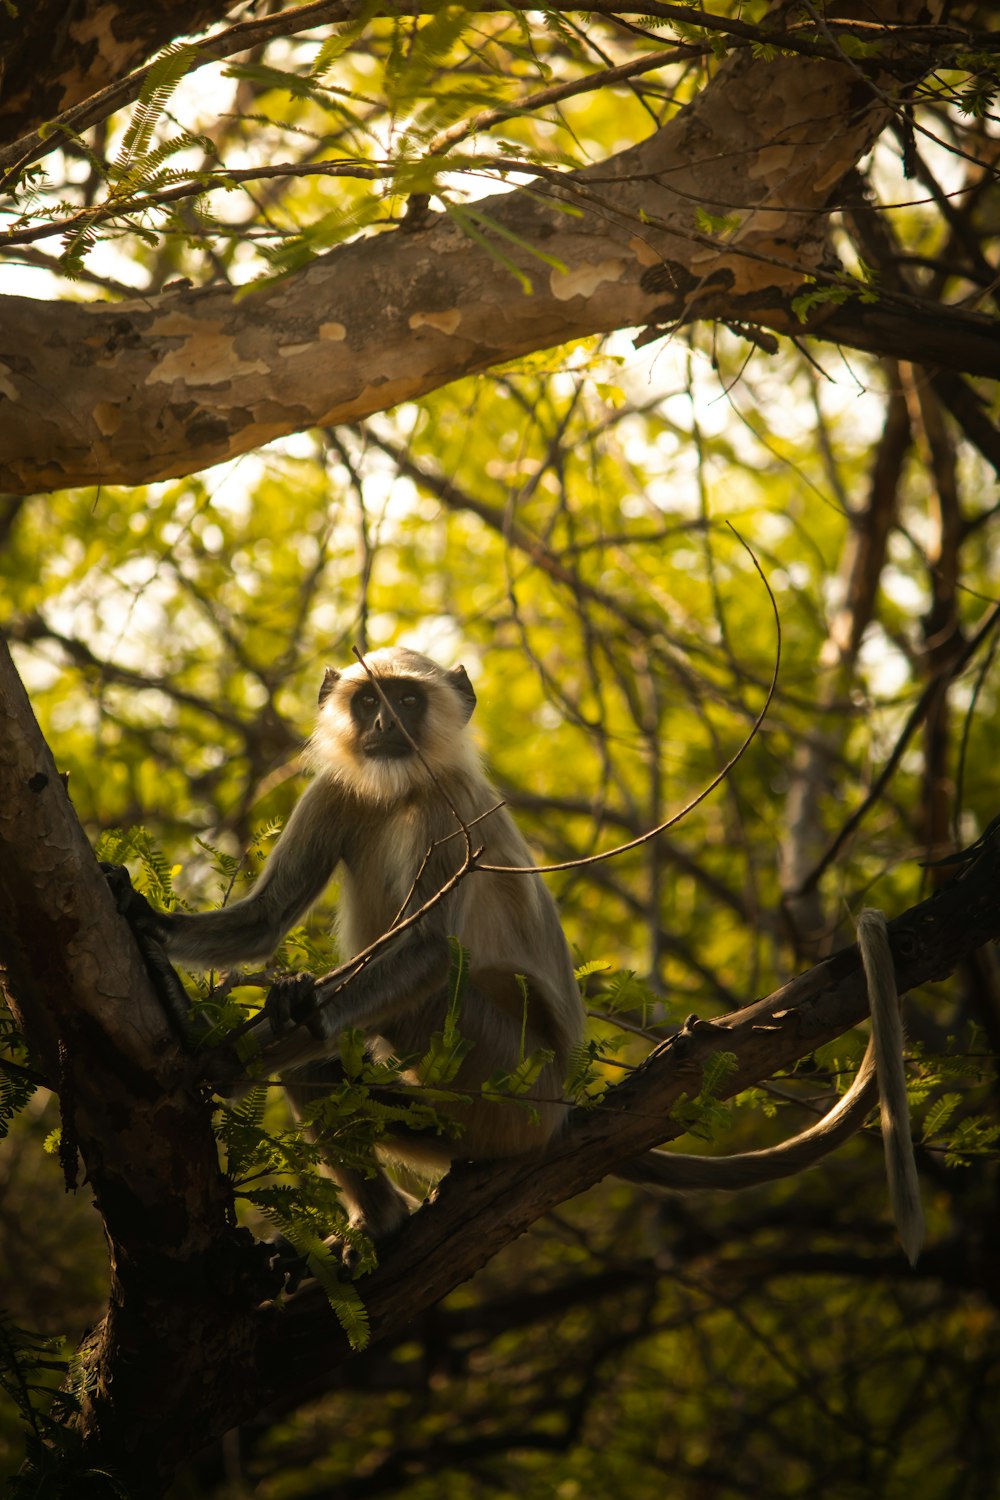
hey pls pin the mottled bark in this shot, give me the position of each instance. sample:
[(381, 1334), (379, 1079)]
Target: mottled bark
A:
[(165, 385), (54, 53)]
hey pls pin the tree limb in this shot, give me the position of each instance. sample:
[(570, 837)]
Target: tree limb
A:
[(162, 386), (182, 1277)]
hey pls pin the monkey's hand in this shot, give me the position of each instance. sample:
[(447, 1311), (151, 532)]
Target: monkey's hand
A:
[(288, 1263), (149, 930), (291, 1002)]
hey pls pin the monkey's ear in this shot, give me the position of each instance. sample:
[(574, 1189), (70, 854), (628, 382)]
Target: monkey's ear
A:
[(463, 687), (330, 679)]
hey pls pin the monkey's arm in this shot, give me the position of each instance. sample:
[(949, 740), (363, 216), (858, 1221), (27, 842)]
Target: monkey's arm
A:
[(300, 865)]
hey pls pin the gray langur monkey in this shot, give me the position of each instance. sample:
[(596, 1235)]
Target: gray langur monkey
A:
[(395, 778)]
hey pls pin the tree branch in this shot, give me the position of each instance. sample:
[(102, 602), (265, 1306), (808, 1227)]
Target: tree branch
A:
[(46, 54), (190, 378), (183, 1284), (60, 935)]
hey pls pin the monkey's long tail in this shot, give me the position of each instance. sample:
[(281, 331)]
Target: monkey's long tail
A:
[(881, 1075), (887, 1033), (683, 1173)]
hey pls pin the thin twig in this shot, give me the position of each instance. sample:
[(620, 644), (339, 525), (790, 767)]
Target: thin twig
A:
[(652, 833)]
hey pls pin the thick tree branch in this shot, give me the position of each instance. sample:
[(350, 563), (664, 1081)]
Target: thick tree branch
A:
[(115, 36), (60, 936), (162, 386), (53, 55), (181, 1278)]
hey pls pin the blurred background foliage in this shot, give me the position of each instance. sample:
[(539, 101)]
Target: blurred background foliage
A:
[(563, 527)]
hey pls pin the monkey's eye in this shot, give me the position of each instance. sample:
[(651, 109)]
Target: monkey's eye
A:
[(409, 699), (367, 701)]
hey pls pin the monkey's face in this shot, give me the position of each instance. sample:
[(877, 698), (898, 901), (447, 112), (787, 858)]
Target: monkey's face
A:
[(361, 742), (387, 727)]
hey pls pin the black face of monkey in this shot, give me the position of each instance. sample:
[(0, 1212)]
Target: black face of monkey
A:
[(378, 729)]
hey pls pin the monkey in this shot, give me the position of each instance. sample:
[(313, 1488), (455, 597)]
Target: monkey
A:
[(400, 803), (392, 819)]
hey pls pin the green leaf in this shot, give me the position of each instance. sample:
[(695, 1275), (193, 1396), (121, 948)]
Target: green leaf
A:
[(447, 1048), (154, 879), (162, 79), (939, 1114), (342, 1296), (858, 47), (703, 1115), (17, 1083), (520, 1079), (352, 1051), (716, 223)]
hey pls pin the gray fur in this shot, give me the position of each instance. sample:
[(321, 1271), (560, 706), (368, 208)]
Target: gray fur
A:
[(887, 1035)]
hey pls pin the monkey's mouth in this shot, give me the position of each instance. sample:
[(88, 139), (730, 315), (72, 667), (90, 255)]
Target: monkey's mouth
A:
[(387, 750)]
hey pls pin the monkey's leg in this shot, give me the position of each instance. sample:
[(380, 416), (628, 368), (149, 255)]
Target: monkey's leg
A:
[(374, 1204)]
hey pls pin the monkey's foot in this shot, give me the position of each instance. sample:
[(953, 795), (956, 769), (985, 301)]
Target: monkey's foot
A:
[(295, 1268), (225, 1074)]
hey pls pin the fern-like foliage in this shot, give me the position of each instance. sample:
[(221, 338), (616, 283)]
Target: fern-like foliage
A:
[(703, 1115), (17, 1082), (16, 1087), (161, 81), (37, 1379), (154, 876), (278, 1173)]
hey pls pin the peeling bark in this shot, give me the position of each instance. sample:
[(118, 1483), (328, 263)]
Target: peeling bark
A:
[(53, 54), (158, 387)]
